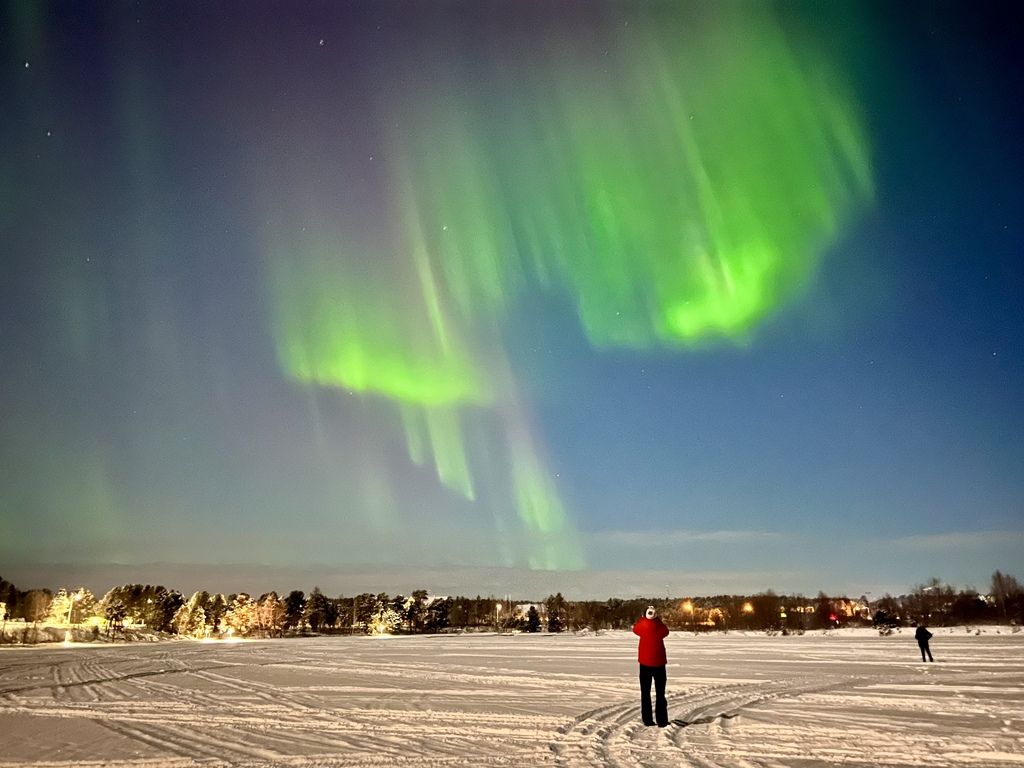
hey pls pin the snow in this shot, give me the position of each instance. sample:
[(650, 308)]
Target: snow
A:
[(850, 698)]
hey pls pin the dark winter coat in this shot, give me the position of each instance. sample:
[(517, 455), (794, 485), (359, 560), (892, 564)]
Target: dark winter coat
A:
[(922, 635), (652, 632)]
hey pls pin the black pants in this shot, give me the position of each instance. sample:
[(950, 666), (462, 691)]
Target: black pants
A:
[(660, 705), (925, 649)]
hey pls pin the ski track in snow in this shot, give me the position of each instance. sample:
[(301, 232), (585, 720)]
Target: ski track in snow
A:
[(567, 701)]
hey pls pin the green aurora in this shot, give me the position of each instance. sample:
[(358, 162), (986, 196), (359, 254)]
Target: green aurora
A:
[(676, 193)]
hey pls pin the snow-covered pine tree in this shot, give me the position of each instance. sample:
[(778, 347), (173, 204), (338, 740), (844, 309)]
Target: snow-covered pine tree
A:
[(241, 616), (190, 619)]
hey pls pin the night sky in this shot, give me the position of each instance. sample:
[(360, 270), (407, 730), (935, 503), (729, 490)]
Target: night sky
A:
[(610, 298)]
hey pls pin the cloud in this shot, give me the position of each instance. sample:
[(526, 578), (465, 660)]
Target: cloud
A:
[(958, 541), (625, 564), (647, 539)]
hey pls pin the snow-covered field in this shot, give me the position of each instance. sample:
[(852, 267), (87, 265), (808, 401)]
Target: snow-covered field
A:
[(851, 698)]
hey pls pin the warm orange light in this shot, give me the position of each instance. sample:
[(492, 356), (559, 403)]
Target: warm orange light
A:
[(748, 607), (688, 606)]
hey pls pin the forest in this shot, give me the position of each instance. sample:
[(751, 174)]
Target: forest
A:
[(204, 614)]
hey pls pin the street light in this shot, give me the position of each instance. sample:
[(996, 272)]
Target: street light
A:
[(688, 607), (748, 611), (497, 610)]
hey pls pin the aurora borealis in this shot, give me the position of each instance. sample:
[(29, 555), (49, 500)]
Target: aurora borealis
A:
[(513, 286), (691, 219)]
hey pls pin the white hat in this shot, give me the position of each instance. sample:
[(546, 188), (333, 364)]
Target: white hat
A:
[(650, 613)]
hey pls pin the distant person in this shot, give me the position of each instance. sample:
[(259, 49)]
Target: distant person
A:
[(922, 635), (651, 655)]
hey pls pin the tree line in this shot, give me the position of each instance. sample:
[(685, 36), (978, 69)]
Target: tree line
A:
[(206, 614)]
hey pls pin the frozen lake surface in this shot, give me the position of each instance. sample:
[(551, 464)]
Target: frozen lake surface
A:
[(850, 698)]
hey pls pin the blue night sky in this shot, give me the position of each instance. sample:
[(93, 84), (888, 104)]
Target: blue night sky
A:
[(511, 297)]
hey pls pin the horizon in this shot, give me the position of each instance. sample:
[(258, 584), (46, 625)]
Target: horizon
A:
[(519, 584)]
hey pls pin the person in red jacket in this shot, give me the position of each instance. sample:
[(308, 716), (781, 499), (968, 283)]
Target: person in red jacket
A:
[(651, 655)]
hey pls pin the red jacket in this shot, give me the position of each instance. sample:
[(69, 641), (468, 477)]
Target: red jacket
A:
[(652, 647)]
